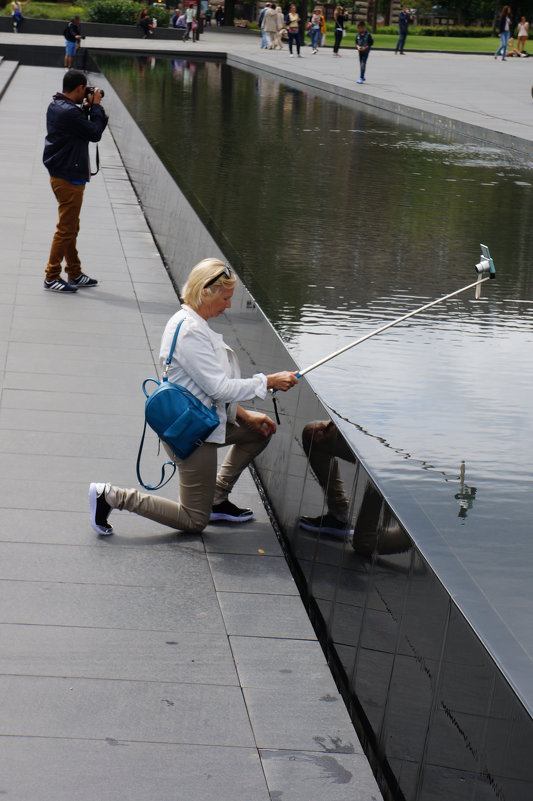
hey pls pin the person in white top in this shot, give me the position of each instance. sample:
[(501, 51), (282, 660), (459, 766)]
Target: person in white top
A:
[(271, 24), (522, 36), (281, 25), (207, 367), (189, 14)]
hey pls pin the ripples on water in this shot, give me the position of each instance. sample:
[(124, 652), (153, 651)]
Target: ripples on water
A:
[(339, 222)]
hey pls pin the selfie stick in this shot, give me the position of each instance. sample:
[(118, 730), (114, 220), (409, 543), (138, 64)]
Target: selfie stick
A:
[(485, 265)]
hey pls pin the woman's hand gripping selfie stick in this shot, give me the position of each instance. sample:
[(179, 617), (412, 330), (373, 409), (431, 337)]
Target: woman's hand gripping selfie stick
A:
[(485, 265)]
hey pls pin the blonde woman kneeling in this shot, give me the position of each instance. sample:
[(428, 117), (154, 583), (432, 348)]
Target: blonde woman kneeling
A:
[(207, 367)]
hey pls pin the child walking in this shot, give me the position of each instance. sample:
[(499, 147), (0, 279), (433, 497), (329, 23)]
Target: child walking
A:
[(363, 43)]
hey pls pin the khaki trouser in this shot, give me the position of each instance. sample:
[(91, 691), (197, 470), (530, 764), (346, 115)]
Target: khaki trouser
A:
[(69, 199), (199, 484), (323, 452)]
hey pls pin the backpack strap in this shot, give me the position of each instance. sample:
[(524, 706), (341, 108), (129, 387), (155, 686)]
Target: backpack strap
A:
[(162, 482), (171, 351)]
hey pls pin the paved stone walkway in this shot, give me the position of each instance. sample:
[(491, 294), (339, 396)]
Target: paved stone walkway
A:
[(148, 666)]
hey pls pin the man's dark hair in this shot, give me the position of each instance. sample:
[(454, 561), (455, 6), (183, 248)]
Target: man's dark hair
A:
[(72, 79)]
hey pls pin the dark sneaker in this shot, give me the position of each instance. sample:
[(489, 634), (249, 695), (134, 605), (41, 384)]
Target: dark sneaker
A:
[(326, 524), (100, 509), (83, 280), (229, 512), (58, 285), (391, 539)]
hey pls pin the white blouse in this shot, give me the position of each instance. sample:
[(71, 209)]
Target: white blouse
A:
[(207, 367)]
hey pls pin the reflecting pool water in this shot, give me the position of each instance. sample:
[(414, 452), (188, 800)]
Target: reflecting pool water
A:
[(339, 221)]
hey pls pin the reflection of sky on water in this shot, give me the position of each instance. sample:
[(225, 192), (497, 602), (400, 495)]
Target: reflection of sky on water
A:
[(339, 222), (462, 155), (447, 391)]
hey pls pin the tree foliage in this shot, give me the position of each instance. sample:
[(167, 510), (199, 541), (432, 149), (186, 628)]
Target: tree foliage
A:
[(161, 14), (114, 12), (468, 12)]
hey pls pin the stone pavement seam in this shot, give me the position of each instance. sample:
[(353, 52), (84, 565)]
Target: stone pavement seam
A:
[(7, 71)]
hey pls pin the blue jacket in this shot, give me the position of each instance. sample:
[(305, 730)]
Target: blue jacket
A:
[(69, 131), (364, 40), (404, 18)]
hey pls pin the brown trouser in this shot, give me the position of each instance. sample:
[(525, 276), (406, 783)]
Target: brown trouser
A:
[(199, 484), (69, 199)]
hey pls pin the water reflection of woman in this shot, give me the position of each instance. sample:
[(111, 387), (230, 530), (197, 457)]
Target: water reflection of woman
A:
[(207, 367)]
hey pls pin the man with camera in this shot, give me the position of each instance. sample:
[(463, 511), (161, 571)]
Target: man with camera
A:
[(73, 119)]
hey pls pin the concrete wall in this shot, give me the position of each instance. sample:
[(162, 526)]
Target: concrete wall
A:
[(55, 27)]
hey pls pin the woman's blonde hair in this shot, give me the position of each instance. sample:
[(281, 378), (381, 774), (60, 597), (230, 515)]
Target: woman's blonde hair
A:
[(195, 292)]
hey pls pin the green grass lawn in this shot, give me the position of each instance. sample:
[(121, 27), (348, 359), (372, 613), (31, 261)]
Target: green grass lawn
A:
[(50, 11), (455, 44)]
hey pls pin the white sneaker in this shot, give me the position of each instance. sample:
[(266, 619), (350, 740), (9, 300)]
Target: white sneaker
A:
[(100, 509)]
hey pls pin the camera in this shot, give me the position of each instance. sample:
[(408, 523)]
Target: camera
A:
[(89, 90), (485, 264)]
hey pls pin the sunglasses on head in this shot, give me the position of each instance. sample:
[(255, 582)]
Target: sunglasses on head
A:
[(226, 271)]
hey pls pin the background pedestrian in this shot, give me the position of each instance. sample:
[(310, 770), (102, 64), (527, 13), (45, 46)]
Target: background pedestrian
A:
[(72, 42), (404, 20), (340, 16), (504, 26), (522, 35), (363, 43), (293, 27), (316, 33)]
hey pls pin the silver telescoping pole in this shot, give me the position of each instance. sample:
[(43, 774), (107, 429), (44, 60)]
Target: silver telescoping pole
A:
[(485, 265), (389, 325)]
